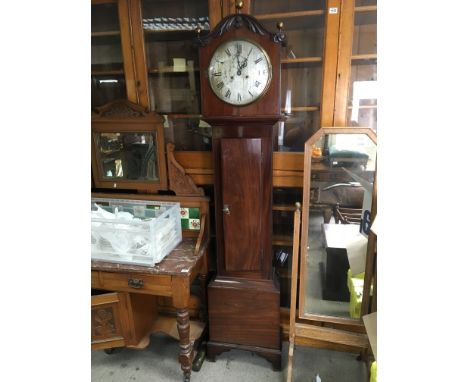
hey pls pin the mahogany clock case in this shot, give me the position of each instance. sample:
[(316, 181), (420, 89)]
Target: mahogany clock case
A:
[(243, 299)]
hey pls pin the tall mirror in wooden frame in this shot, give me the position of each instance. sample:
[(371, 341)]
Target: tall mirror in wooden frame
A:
[(127, 146), (339, 177)]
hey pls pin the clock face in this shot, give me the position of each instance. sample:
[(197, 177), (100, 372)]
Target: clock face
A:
[(239, 72)]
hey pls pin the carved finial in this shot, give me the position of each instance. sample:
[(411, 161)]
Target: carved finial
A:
[(280, 36), (239, 5), (298, 206)]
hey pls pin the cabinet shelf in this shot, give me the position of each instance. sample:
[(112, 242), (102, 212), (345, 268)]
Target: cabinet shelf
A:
[(282, 240), (170, 69), (364, 107), (370, 56), (302, 108), (286, 15), (284, 207), (105, 34), (107, 72), (156, 31), (168, 35), (366, 8), (183, 116), (300, 60)]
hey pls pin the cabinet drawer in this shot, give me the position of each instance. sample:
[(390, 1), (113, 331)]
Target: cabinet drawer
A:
[(108, 321), (159, 284)]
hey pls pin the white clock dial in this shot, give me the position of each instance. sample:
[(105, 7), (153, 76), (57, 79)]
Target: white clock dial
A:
[(239, 72)]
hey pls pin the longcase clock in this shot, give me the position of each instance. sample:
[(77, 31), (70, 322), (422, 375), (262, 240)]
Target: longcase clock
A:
[(240, 88)]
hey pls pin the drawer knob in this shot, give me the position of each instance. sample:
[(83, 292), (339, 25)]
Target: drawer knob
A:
[(135, 283)]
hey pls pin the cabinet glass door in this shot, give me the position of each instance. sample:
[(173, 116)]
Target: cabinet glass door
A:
[(173, 74), (362, 93), (107, 70), (301, 66)]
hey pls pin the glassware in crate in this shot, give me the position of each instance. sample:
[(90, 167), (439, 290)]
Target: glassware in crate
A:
[(134, 231)]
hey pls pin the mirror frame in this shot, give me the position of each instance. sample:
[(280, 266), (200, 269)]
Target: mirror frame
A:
[(123, 116), (305, 224)]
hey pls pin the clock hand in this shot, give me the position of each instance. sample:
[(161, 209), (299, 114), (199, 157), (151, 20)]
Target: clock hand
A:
[(239, 69), (244, 63)]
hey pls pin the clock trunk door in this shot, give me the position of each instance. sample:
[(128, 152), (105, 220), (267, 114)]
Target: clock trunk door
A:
[(241, 163)]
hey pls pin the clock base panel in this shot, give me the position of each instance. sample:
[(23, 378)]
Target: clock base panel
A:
[(245, 314), (272, 355)]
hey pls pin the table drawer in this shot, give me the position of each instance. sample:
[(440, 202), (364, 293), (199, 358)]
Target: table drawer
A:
[(136, 283), (109, 326)]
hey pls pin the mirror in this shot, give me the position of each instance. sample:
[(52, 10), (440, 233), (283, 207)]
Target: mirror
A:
[(128, 156), (339, 173), (127, 147)]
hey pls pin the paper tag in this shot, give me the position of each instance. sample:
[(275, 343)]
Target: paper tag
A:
[(333, 10), (179, 65)]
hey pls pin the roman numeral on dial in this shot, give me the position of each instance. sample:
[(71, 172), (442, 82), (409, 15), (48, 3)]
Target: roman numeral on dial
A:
[(228, 94), (239, 97), (228, 52), (258, 60), (220, 85), (217, 74), (257, 84)]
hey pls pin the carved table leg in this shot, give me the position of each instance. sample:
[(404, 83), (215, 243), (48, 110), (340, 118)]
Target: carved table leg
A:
[(186, 351)]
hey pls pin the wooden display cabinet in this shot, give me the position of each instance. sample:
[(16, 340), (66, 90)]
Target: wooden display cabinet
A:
[(362, 93), (356, 86), (172, 68), (107, 66), (301, 66)]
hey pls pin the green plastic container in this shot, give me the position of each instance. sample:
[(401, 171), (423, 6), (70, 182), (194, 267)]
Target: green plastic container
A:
[(373, 372), (356, 287)]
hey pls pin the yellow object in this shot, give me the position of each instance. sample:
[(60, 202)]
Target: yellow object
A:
[(316, 152), (373, 372), (356, 287)]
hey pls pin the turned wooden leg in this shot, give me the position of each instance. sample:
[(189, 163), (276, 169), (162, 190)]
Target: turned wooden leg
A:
[(186, 351)]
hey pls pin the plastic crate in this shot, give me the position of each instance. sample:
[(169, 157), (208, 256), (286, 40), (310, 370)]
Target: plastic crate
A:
[(134, 231)]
